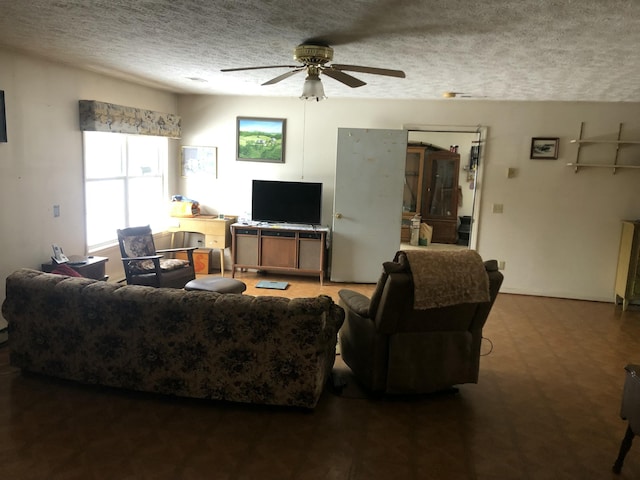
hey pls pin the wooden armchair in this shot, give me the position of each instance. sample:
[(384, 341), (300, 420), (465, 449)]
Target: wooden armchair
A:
[(144, 265)]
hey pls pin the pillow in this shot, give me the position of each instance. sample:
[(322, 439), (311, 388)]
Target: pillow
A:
[(64, 269)]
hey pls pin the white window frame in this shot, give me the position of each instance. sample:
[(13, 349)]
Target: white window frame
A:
[(153, 210)]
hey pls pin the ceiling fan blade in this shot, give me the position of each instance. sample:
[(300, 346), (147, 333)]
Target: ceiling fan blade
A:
[(347, 79), (257, 68), (375, 71), (283, 76)]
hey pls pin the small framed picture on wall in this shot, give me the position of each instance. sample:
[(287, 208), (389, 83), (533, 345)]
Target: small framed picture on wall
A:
[(544, 148), (199, 161)]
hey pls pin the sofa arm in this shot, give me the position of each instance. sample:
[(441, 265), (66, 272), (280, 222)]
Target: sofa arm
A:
[(355, 301)]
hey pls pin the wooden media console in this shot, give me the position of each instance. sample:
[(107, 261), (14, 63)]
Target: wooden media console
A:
[(276, 247)]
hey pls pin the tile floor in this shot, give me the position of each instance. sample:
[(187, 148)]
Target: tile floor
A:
[(546, 407)]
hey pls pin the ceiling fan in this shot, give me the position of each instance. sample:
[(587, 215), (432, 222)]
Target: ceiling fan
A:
[(315, 60), (460, 95)]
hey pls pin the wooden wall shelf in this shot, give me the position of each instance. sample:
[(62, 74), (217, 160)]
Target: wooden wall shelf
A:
[(613, 165)]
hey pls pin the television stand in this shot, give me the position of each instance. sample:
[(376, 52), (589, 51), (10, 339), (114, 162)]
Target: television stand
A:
[(280, 248)]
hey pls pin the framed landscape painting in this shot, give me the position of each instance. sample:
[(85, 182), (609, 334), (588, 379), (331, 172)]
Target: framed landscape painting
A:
[(261, 139)]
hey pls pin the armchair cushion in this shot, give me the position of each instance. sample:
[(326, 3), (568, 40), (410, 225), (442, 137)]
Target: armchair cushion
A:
[(166, 265)]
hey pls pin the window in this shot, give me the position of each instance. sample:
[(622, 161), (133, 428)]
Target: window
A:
[(125, 184)]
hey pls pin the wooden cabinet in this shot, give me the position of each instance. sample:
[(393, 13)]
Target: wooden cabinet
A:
[(216, 231), (431, 191), (440, 195), (413, 185), (286, 249), (628, 274)]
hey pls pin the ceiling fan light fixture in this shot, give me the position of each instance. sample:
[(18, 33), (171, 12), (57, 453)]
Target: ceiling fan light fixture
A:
[(313, 89)]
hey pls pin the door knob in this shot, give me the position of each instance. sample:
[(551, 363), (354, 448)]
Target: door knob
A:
[(338, 215)]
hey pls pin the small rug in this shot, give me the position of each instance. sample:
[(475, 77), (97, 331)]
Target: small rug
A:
[(273, 285)]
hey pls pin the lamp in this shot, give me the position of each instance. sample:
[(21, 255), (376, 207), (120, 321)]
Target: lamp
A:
[(313, 89)]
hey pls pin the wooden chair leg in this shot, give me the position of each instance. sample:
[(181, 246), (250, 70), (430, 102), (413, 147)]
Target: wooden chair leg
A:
[(624, 448)]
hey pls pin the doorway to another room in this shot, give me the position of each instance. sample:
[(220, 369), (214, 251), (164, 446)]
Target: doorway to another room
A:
[(441, 187)]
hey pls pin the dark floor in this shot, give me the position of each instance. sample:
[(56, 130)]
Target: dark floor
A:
[(546, 407)]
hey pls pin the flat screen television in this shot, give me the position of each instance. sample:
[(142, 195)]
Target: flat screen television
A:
[(286, 202)]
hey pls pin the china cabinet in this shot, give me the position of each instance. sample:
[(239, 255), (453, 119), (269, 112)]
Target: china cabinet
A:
[(413, 185), (431, 191), (440, 195)]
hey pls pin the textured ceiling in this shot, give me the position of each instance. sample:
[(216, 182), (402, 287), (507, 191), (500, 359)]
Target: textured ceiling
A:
[(575, 50)]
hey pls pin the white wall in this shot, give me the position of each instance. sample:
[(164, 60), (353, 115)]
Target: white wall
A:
[(560, 230), (41, 165)]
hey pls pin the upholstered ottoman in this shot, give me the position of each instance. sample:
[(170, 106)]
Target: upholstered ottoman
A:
[(216, 284)]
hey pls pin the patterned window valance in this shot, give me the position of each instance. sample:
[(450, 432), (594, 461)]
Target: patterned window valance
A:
[(106, 117)]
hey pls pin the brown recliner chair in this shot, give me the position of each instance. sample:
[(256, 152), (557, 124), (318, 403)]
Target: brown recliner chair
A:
[(421, 331)]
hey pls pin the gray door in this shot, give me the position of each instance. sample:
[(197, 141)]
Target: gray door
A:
[(367, 203)]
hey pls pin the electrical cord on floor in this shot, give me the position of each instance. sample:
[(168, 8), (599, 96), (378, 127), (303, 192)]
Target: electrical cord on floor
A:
[(490, 349)]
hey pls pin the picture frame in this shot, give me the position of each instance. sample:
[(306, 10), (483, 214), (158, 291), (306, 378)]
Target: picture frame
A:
[(544, 148), (261, 139), (198, 160), (3, 119)]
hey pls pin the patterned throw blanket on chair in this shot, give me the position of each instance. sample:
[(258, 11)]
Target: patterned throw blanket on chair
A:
[(443, 278)]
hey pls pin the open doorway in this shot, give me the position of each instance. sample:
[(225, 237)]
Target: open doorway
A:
[(457, 221)]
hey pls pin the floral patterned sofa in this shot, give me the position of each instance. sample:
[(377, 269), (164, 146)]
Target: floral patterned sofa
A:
[(240, 348)]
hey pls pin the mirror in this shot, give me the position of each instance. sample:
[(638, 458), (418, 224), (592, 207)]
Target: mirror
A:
[(454, 220)]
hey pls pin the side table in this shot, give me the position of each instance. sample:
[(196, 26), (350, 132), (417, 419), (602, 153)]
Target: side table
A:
[(89, 267)]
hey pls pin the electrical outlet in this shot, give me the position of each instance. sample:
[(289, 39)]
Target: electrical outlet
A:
[(56, 210), (501, 265), (497, 208)]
